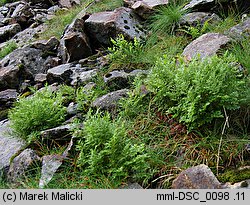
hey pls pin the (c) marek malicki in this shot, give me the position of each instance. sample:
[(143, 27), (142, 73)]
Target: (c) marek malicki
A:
[(67, 196)]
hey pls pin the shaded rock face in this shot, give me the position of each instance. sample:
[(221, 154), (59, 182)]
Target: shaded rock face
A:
[(110, 100), (198, 177), (211, 5), (102, 26), (9, 31), (7, 97), (206, 45), (11, 77), (21, 164), (146, 7), (240, 30), (74, 44), (9, 146)]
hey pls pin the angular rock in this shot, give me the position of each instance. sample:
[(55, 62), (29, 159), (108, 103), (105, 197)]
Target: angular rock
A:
[(28, 35), (239, 31), (120, 79), (23, 15), (145, 8), (40, 78), (80, 77), (69, 3), (198, 177), (215, 5), (206, 45), (30, 59), (46, 45), (72, 109), (110, 100), (60, 74), (74, 45), (51, 163), (129, 3), (9, 146), (9, 31), (102, 26), (59, 133), (7, 97), (199, 18), (132, 186), (11, 77), (20, 165)]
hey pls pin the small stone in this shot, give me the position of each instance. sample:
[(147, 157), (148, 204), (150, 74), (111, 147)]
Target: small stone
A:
[(198, 177)]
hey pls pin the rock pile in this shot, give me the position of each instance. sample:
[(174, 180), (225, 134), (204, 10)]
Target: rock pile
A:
[(67, 61)]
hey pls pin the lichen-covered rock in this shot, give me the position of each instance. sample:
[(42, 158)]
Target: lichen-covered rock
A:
[(102, 26), (198, 177), (28, 35), (199, 18), (110, 100), (239, 31), (7, 97), (11, 77), (58, 133), (60, 74), (20, 164), (9, 146), (206, 45), (119, 79), (145, 8), (9, 31)]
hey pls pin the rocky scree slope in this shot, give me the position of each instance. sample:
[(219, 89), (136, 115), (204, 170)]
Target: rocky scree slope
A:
[(77, 59)]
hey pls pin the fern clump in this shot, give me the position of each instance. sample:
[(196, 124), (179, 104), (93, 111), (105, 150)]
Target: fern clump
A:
[(197, 92), (41, 111), (125, 53), (106, 150)]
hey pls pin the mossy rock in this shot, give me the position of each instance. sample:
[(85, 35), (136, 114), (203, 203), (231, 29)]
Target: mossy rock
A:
[(234, 176)]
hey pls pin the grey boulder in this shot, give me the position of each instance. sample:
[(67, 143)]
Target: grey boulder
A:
[(103, 26), (206, 45), (198, 177)]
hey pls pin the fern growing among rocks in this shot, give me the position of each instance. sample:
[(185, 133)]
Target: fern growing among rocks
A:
[(196, 92), (106, 150)]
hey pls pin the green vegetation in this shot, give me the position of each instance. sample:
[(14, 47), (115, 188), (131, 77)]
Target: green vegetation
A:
[(241, 52), (56, 25), (234, 176), (166, 19), (8, 48), (172, 119), (197, 92), (106, 150), (124, 54), (33, 114)]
